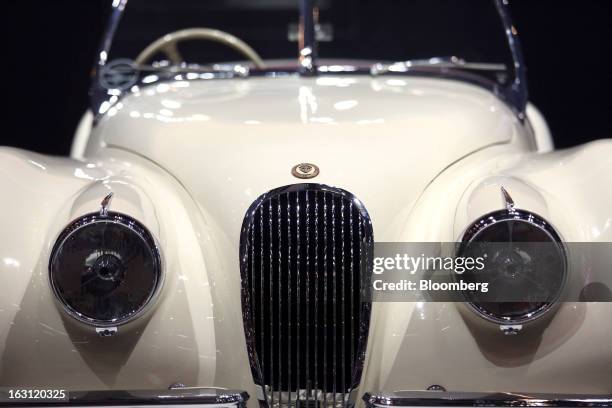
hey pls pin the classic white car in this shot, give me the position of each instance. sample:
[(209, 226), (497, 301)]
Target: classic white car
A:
[(212, 232)]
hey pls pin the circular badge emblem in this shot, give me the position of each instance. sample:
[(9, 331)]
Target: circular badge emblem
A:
[(305, 171), (119, 74)]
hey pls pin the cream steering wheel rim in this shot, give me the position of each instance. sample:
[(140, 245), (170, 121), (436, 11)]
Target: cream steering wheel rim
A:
[(167, 45)]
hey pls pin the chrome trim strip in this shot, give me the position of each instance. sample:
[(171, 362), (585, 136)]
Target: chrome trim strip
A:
[(217, 397), (440, 62), (493, 399)]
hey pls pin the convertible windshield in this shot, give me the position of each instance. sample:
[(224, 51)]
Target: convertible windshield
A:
[(151, 40), (163, 33)]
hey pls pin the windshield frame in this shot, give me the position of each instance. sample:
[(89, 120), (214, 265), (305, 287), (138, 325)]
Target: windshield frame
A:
[(514, 93)]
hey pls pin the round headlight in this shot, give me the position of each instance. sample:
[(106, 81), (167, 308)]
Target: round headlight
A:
[(105, 269), (524, 265)]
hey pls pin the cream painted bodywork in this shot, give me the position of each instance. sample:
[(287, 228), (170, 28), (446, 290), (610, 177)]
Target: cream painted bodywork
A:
[(187, 158)]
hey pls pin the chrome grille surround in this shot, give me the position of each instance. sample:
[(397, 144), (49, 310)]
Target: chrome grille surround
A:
[(305, 261)]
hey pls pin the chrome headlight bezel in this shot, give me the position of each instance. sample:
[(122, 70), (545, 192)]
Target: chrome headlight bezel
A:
[(534, 220), (131, 226)]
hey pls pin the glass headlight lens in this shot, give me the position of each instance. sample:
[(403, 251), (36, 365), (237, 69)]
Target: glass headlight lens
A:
[(524, 265), (104, 270)]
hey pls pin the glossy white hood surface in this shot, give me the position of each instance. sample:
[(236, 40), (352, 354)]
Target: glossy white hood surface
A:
[(383, 139), (187, 158), (228, 141)]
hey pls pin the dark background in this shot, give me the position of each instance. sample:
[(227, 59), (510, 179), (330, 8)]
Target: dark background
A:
[(50, 46)]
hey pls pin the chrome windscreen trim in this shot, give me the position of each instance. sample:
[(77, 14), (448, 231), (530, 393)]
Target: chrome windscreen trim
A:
[(480, 399)]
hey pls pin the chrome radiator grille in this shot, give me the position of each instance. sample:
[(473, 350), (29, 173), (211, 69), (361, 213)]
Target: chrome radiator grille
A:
[(305, 260)]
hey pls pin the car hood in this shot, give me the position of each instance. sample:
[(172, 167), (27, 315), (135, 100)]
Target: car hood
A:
[(382, 139)]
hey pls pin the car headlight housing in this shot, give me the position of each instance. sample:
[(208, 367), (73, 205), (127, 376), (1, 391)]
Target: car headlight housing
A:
[(105, 269), (525, 265)]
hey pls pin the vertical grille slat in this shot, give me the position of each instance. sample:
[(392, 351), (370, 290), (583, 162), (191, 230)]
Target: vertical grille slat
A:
[(298, 287), (262, 333), (261, 278), (334, 295), (304, 270), (289, 305), (317, 295), (308, 273), (270, 282), (352, 277), (342, 303), (325, 290), (279, 320)]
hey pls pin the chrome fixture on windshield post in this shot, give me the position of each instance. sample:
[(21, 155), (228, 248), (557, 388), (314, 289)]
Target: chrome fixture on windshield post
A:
[(307, 40)]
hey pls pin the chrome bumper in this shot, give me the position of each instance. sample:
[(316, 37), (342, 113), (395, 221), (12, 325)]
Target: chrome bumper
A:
[(474, 399), (194, 397)]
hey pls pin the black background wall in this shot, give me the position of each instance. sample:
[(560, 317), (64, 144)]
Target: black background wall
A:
[(49, 48)]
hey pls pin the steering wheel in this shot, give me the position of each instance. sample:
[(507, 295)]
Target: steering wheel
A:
[(168, 45)]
